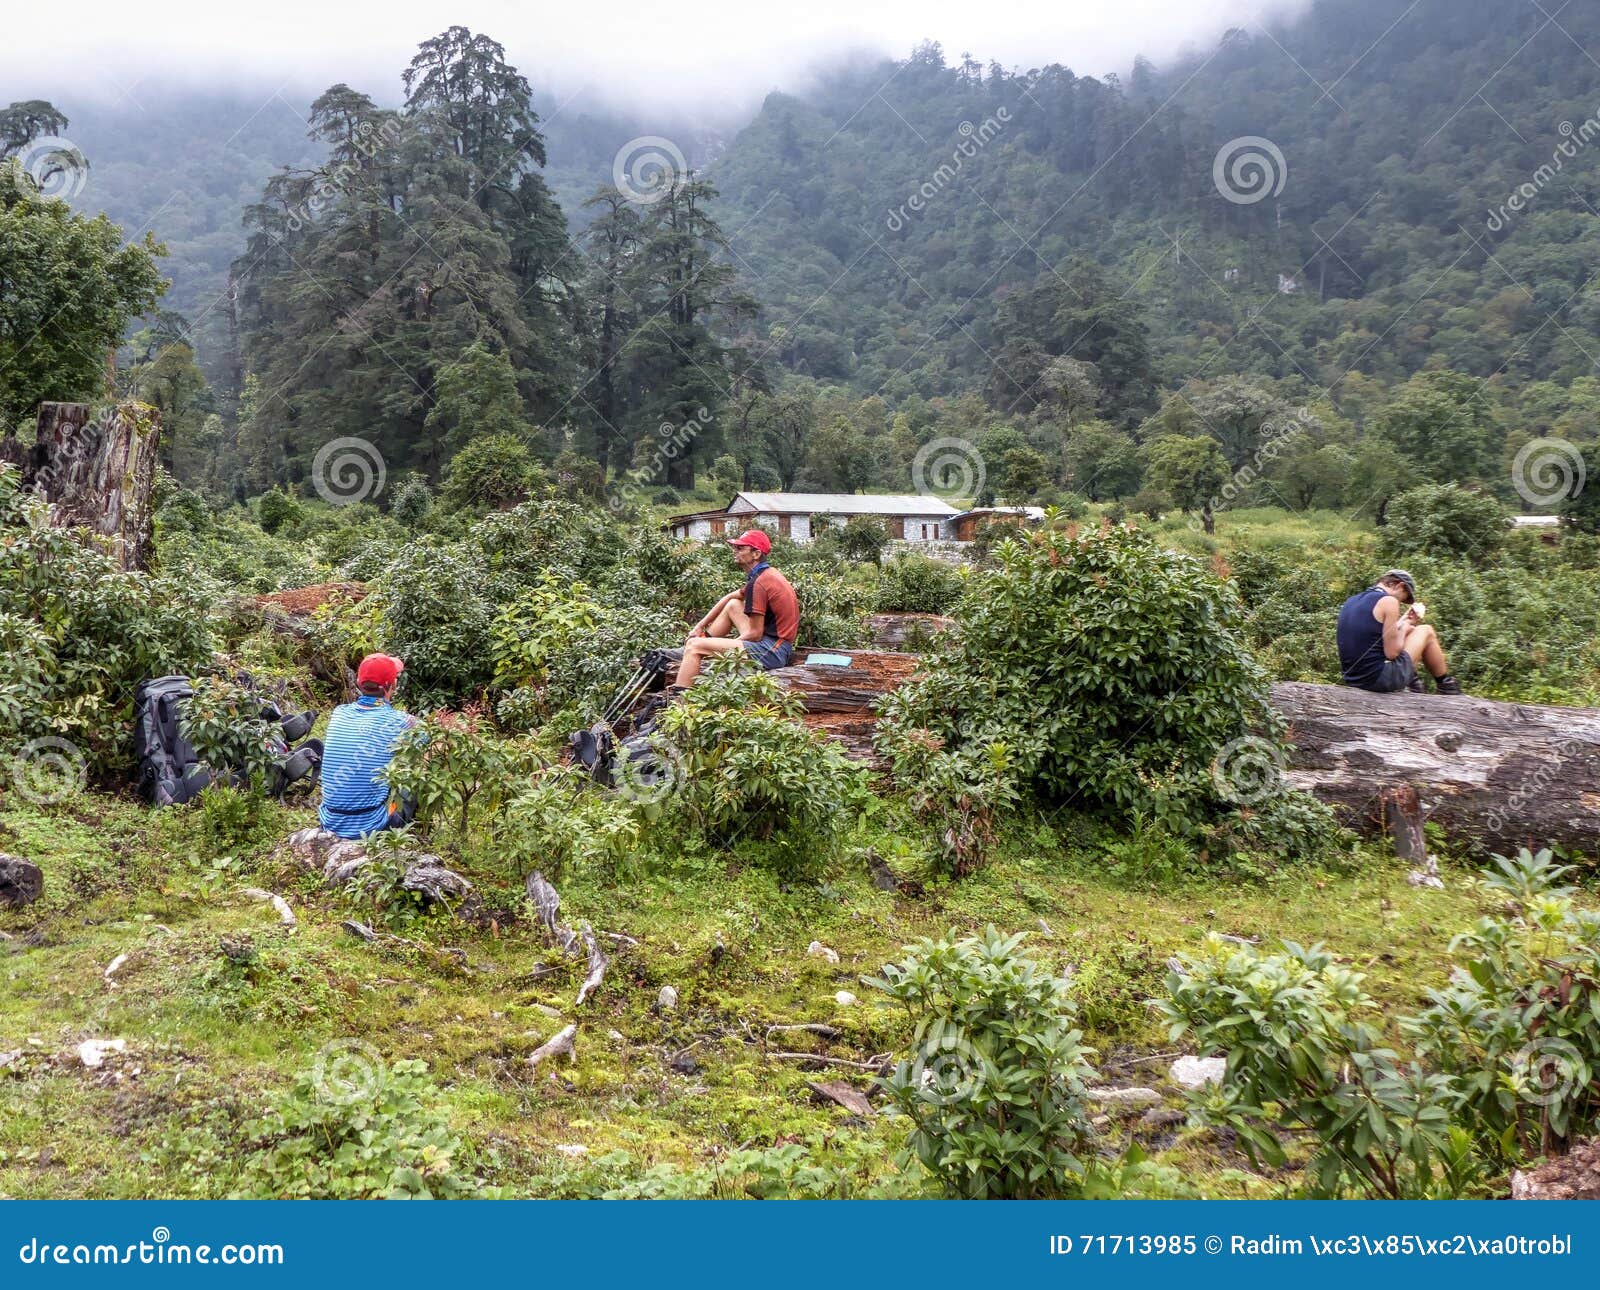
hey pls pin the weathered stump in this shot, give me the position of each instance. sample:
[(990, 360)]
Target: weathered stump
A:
[(96, 471)]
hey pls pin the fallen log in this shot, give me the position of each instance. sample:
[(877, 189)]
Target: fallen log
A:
[(1497, 775), (839, 701), (902, 631), (1494, 775)]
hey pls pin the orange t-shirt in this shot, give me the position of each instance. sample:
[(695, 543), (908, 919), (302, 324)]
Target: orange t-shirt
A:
[(774, 598)]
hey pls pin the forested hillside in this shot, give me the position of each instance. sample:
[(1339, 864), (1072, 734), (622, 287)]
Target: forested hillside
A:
[(1329, 207), (1396, 145)]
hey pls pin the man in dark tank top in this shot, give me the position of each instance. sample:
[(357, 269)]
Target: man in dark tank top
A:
[(1380, 644)]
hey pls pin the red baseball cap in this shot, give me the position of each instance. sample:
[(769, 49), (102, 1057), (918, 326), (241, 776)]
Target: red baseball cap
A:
[(755, 539), (379, 669)]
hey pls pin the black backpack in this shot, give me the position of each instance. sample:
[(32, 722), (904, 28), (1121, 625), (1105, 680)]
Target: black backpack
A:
[(169, 771)]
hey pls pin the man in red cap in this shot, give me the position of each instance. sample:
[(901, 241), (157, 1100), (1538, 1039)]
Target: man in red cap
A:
[(360, 742), (762, 618)]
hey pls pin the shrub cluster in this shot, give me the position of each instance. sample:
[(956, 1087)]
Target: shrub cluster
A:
[(77, 634), (1506, 1052)]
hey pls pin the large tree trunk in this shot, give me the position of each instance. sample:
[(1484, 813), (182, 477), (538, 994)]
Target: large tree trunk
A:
[(96, 472), (1498, 775), (1493, 775)]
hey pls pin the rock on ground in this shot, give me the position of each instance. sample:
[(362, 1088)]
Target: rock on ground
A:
[(93, 1052), (1123, 1098), (21, 881), (1574, 1176), (338, 860)]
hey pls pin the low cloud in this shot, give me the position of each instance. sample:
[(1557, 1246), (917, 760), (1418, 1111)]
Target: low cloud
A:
[(717, 58)]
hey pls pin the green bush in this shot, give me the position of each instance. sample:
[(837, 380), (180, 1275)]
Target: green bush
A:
[(749, 767), (961, 794), (77, 634), (574, 648), (1443, 520), (494, 470), (451, 763), (355, 1128), (562, 821), (276, 510), (918, 584), (412, 501), (993, 1085), (437, 603), (1518, 1025), (1115, 670), (833, 609), (1302, 1059), (1580, 508), (1507, 1052), (223, 722)]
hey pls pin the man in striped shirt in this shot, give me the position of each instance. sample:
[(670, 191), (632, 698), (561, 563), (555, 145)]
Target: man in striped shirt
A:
[(360, 742)]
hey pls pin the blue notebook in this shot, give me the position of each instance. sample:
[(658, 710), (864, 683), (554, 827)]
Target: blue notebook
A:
[(828, 660)]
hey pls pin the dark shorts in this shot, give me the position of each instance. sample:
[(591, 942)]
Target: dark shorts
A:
[(770, 652), (1395, 674)]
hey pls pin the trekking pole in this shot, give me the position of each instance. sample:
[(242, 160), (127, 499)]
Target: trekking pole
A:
[(627, 696)]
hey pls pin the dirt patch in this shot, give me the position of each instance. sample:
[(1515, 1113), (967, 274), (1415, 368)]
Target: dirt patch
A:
[(298, 602)]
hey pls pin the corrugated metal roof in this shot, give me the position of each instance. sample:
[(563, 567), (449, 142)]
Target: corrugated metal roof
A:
[(1027, 512), (849, 503)]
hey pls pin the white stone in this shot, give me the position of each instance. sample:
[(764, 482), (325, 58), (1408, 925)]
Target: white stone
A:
[(844, 998), (573, 1149), (818, 950), (1193, 1072), (1129, 1097), (668, 998), (93, 1052)]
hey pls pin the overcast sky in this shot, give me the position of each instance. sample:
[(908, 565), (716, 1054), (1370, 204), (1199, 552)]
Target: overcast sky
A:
[(706, 56)]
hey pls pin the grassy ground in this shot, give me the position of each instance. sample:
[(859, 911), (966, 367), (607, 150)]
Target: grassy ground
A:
[(220, 1006)]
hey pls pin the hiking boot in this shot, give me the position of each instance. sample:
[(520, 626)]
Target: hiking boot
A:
[(1446, 685), (1416, 686)]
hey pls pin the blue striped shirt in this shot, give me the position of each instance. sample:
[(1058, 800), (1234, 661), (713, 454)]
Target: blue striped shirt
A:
[(359, 743)]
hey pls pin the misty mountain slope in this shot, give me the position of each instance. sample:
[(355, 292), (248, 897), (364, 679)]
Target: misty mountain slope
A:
[(884, 216), (1380, 229)]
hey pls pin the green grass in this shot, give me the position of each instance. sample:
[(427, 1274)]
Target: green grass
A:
[(221, 1006)]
